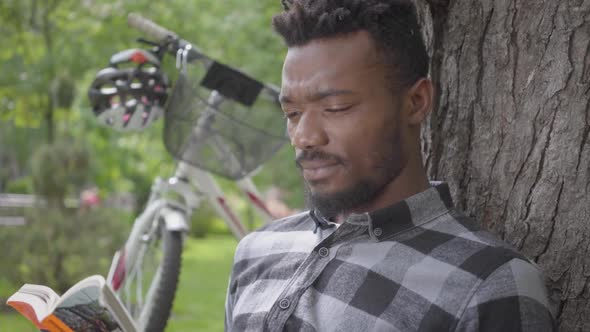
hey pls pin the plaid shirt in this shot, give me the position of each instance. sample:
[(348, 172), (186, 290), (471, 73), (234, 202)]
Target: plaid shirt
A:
[(418, 265)]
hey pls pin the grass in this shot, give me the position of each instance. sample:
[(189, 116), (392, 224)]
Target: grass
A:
[(200, 300), (9, 319), (13, 322), (199, 303)]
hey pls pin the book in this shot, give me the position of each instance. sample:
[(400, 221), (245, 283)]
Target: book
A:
[(89, 305)]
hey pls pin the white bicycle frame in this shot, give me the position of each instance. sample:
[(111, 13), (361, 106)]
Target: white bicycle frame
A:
[(190, 186), (172, 202), (175, 217)]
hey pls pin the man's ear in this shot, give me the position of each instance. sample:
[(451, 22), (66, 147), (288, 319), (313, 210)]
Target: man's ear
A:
[(419, 101)]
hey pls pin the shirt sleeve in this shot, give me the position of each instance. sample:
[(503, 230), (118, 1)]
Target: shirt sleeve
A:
[(512, 298), (231, 296), (228, 308)]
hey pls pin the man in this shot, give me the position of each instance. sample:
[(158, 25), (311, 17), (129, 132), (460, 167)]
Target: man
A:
[(381, 248)]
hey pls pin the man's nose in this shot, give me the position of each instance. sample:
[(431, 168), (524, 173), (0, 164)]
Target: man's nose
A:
[(309, 131)]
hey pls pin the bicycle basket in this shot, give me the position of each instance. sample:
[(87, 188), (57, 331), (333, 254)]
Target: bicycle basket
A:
[(221, 121)]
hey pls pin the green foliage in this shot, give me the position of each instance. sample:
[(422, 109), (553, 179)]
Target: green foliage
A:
[(51, 52), (16, 148), (60, 247), (202, 221), (58, 46), (64, 89), (12, 252), (59, 169), (23, 185)]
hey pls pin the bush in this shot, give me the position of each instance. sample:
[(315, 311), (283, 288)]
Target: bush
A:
[(23, 185), (58, 248), (201, 221), (59, 170), (59, 245)]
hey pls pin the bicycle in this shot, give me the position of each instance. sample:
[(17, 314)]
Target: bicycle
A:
[(217, 121)]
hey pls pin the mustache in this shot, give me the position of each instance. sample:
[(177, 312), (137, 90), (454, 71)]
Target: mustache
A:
[(310, 155)]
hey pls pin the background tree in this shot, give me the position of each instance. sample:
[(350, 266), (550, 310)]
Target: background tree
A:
[(83, 35), (511, 130), (51, 52)]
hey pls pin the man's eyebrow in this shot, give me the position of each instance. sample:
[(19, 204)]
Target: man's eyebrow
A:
[(285, 99)]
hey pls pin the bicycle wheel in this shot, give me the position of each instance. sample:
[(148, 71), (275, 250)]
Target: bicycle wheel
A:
[(149, 290)]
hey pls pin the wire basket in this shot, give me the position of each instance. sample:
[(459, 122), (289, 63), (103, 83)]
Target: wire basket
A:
[(222, 121)]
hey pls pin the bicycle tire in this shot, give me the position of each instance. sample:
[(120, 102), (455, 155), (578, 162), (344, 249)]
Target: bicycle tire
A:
[(167, 281)]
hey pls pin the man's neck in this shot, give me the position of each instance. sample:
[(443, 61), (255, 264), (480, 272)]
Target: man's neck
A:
[(411, 181)]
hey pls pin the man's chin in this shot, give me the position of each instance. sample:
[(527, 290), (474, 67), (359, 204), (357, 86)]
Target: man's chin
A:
[(332, 201), (325, 189)]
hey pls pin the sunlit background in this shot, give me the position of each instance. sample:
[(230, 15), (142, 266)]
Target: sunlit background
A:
[(74, 185)]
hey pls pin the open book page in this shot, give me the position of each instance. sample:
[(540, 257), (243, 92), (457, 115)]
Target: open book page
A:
[(34, 302), (81, 309), (84, 307), (111, 301)]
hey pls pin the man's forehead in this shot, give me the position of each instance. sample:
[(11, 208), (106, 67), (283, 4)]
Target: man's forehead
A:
[(351, 51), (329, 63)]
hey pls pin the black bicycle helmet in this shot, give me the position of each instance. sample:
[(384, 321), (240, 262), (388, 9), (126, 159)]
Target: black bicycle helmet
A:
[(129, 94)]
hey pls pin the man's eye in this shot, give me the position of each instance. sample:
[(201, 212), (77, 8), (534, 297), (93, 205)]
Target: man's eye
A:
[(291, 115), (337, 109)]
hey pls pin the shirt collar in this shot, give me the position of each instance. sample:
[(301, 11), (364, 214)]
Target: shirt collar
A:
[(401, 216)]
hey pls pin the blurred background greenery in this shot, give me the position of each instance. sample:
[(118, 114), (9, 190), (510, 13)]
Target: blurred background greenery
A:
[(51, 146)]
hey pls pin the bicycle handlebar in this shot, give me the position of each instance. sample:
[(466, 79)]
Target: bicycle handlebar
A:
[(163, 35), (149, 27)]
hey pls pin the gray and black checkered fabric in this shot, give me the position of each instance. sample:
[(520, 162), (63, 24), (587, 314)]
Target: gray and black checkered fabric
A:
[(419, 265)]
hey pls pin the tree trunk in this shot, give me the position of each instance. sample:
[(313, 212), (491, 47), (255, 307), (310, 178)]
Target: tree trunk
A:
[(510, 130), (47, 31)]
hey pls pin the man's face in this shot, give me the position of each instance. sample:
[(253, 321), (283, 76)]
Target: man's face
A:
[(343, 121)]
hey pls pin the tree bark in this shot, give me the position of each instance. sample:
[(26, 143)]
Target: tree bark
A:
[(510, 130)]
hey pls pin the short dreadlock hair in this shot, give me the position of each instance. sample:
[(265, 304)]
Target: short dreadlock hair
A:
[(392, 24)]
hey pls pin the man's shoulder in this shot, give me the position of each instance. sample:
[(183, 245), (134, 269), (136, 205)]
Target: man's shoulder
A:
[(482, 252), (480, 260), (298, 222), (286, 235)]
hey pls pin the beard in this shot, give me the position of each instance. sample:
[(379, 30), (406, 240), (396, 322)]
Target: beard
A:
[(390, 163), (332, 205)]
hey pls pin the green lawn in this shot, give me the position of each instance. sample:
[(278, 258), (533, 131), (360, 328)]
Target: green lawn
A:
[(199, 304), (15, 322)]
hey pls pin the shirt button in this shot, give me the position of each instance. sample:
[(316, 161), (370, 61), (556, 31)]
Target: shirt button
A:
[(323, 252), (284, 304), (377, 231)]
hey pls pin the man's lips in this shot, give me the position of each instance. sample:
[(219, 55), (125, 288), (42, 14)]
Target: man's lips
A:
[(317, 170)]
